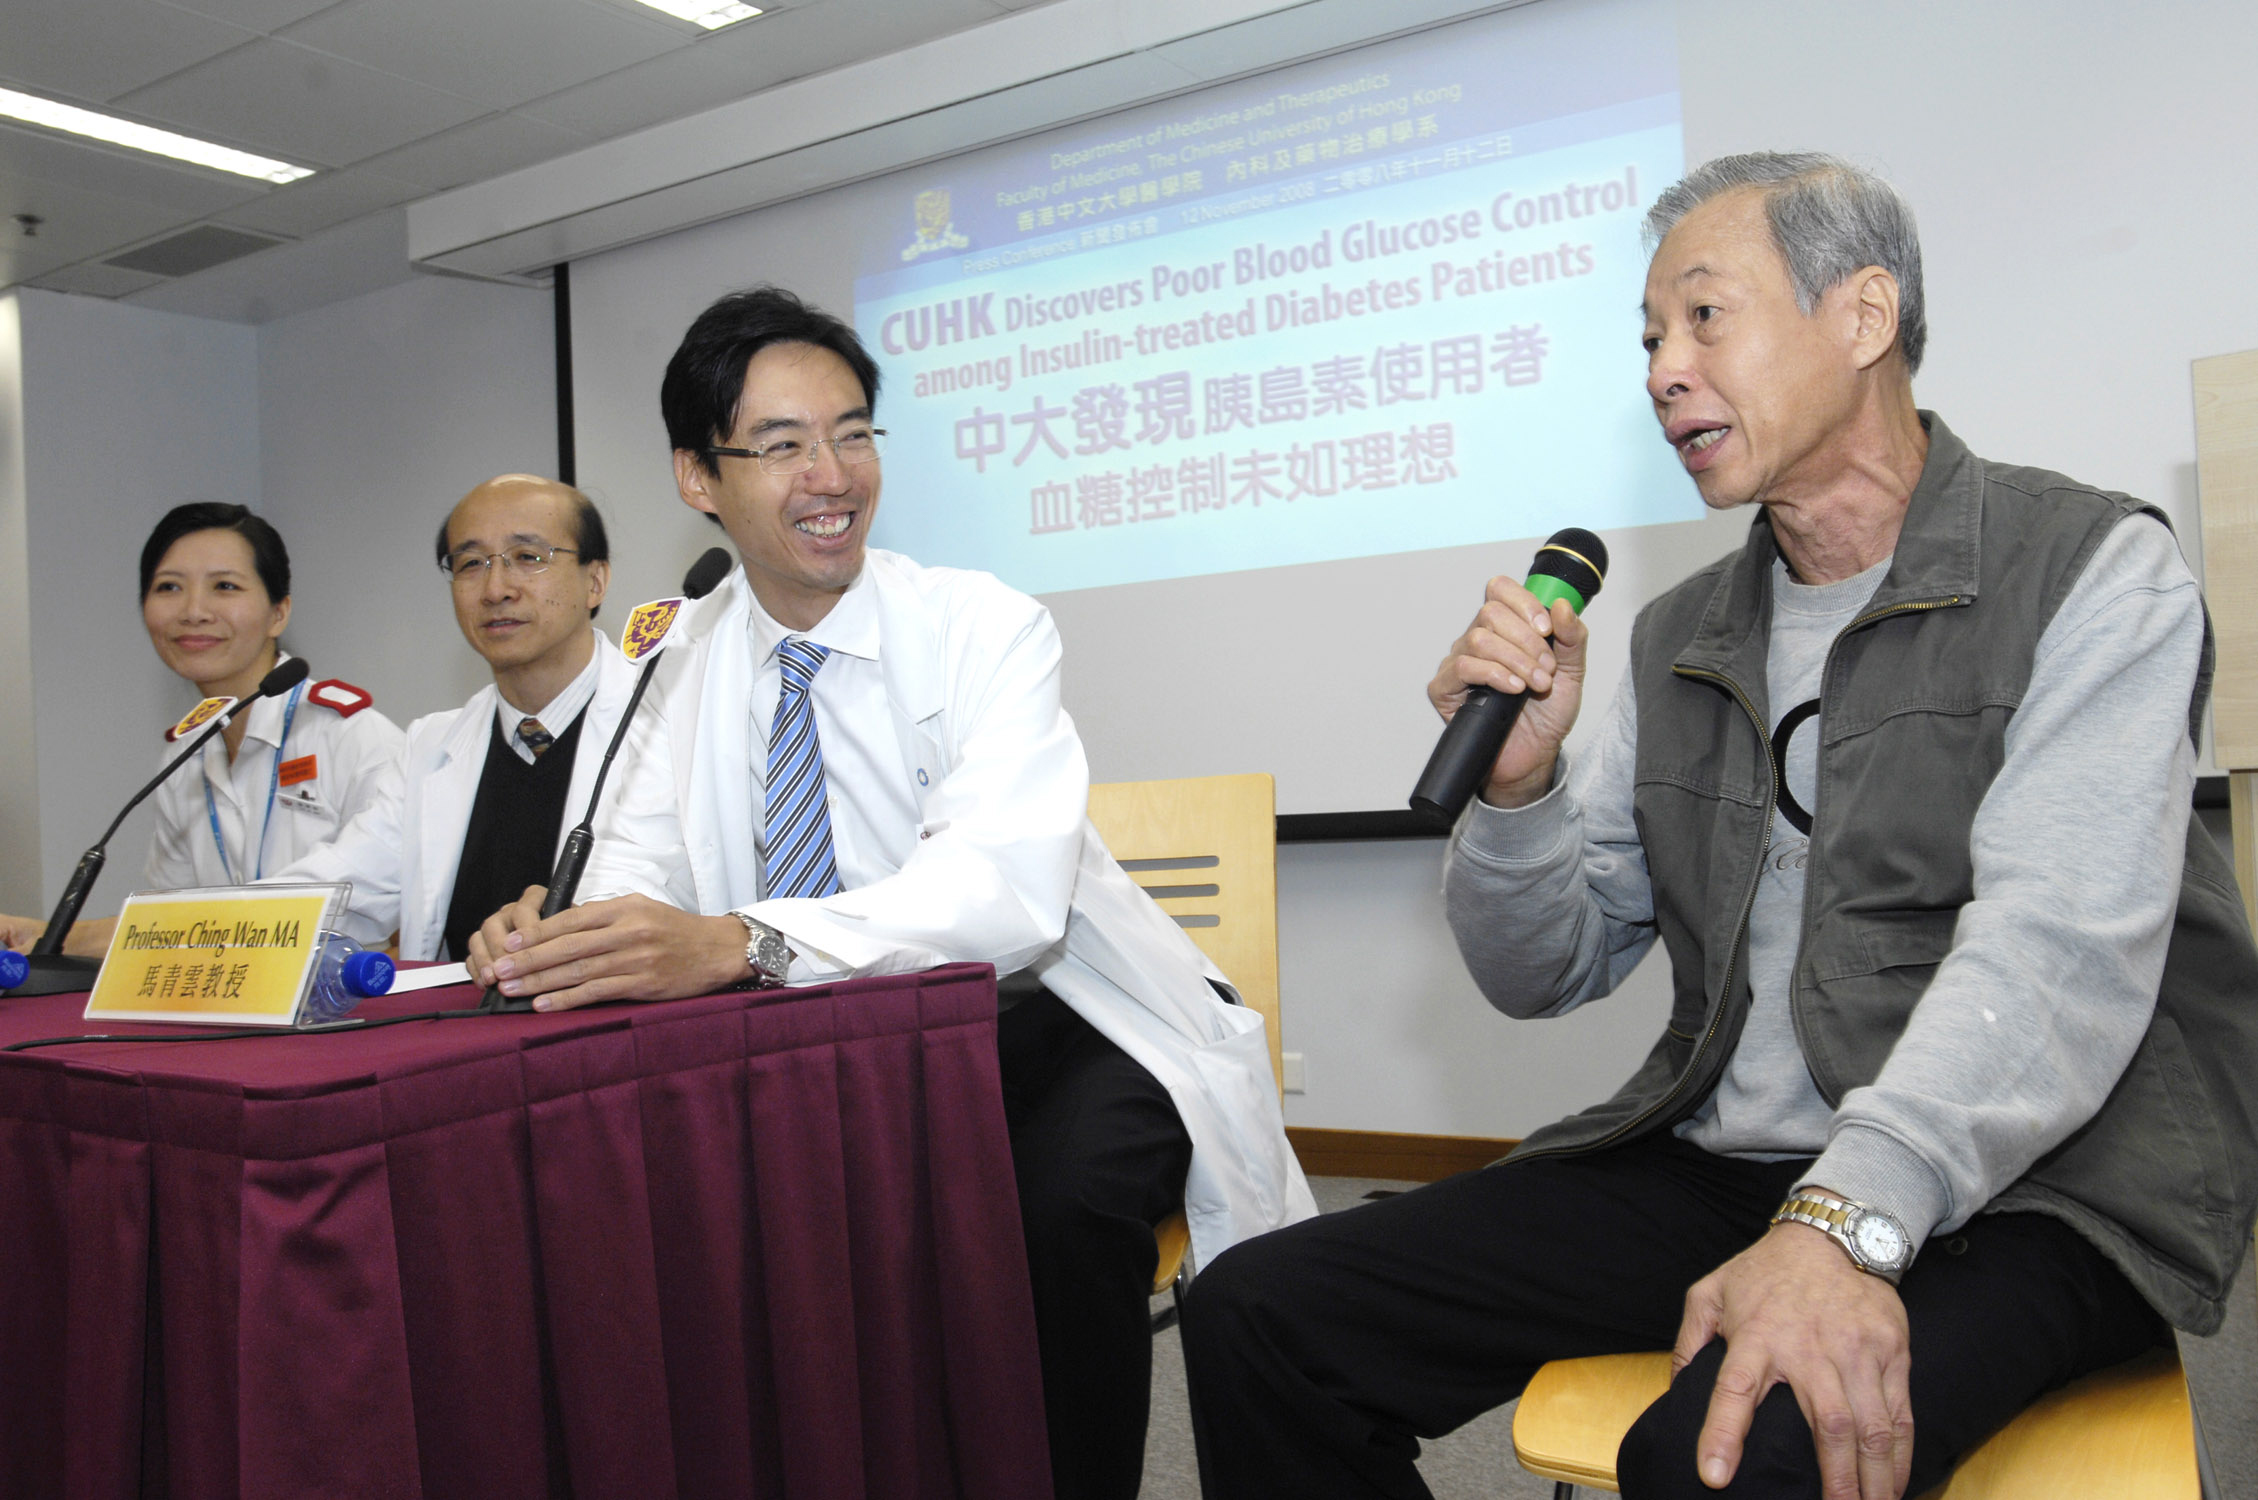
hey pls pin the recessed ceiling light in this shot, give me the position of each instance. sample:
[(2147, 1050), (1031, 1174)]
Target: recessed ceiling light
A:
[(34, 110), (710, 14)]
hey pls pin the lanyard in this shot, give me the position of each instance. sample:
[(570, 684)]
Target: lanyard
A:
[(274, 784)]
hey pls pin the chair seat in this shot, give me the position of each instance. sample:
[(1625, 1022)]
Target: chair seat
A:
[(1573, 1415), (1175, 1237), (2126, 1431)]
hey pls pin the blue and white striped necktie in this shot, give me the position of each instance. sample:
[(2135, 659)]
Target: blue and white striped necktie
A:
[(796, 841)]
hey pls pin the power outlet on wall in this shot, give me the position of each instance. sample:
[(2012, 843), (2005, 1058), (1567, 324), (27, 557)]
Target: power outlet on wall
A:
[(1297, 1075)]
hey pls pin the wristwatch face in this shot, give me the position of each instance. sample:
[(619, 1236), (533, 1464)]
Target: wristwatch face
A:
[(771, 955), (766, 952), (1880, 1242)]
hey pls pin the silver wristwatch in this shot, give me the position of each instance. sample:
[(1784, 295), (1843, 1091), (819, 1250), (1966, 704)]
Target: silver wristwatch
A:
[(1875, 1242), (766, 952)]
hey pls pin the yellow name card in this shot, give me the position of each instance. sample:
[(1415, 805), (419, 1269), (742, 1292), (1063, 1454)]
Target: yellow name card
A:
[(234, 955)]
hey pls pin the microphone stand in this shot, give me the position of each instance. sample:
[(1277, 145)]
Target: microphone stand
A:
[(704, 576), (54, 972), (565, 882)]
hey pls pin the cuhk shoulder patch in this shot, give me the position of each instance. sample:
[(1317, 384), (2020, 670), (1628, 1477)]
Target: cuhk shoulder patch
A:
[(202, 714), (333, 693)]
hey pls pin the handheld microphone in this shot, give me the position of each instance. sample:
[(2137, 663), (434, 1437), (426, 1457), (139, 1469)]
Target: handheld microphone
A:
[(52, 971), (704, 577), (1570, 565)]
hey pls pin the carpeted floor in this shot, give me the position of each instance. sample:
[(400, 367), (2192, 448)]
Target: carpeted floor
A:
[(1477, 1460)]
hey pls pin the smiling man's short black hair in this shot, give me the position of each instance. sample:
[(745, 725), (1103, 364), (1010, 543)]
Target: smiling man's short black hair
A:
[(698, 398)]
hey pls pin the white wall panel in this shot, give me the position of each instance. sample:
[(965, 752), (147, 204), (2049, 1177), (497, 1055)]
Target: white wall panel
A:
[(379, 414), (127, 413)]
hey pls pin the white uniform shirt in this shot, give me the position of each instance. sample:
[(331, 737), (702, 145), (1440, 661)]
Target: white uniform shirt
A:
[(335, 764)]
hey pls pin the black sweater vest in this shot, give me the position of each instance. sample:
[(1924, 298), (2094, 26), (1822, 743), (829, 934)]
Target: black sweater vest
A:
[(511, 842)]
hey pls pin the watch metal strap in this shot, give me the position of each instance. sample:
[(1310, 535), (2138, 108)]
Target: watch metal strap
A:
[(1831, 1217), (755, 932)]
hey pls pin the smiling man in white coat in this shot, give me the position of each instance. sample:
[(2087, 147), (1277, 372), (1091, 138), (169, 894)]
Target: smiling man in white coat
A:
[(492, 787), (856, 765)]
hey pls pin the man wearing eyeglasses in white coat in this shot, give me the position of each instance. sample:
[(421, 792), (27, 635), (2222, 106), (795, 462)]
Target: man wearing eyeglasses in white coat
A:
[(492, 787), (945, 820)]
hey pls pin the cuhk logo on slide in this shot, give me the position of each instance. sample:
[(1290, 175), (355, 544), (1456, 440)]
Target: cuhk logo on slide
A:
[(648, 627), (936, 228)]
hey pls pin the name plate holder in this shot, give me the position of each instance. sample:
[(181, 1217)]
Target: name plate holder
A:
[(216, 955)]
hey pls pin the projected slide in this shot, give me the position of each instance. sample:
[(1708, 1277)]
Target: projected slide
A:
[(1380, 303)]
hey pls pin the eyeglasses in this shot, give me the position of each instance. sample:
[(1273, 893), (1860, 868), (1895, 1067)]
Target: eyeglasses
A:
[(464, 567), (791, 456)]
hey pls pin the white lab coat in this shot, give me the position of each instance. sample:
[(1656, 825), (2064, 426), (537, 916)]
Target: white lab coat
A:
[(342, 761), (402, 857), (1007, 869)]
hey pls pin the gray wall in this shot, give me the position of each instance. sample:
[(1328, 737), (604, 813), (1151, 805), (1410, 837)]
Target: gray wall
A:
[(20, 884), (379, 414), (125, 414)]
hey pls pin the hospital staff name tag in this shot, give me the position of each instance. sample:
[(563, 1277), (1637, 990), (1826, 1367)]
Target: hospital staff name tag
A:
[(218, 955)]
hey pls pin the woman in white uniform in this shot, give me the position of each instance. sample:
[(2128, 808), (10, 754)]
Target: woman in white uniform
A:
[(288, 772)]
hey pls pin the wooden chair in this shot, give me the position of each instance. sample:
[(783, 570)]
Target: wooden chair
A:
[(2126, 1431), (1205, 848)]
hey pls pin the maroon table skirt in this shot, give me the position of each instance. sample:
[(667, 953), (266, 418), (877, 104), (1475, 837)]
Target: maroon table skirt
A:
[(744, 1245)]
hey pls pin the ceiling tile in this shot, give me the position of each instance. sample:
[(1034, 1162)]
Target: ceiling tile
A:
[(369, 253), (870, 27), (256, 15), (95, 50), (650, 93), (315, 204), (484, 148), (77, 224), (501, 52), (94, 279), (23, 260), (746, 58), (300, 105), (119, 173), (199, 247)]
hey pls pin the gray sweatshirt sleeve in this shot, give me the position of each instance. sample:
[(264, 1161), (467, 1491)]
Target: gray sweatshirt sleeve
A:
[(2054, 966), (1550, 902)]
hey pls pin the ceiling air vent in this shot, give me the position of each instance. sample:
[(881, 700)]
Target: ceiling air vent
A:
[(192, 250)]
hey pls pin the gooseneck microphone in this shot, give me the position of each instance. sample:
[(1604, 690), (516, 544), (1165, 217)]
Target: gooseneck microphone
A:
[(1570, 565), (704, 577), (53, 972)]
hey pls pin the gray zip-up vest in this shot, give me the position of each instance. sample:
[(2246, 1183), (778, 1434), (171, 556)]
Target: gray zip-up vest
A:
[(1915, 703)]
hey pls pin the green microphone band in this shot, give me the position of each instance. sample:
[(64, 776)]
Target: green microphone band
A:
[(1548, 588)]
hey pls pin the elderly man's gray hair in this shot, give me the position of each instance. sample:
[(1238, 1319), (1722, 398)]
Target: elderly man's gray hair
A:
[(1828, 219)]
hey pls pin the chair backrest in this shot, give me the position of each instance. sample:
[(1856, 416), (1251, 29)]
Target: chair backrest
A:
[(1206, 848)]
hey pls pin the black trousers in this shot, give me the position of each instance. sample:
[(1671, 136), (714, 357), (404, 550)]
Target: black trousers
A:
[(1100, 1156), (1320, 1354)]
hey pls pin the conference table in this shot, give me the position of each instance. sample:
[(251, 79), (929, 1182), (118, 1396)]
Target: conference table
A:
[(755, 1244)]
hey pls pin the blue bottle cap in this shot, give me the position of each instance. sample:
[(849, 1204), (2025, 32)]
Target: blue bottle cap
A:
[(367, 972), (14, 968)]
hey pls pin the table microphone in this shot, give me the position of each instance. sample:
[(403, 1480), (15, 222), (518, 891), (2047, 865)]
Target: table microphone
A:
[(1570, 565), (704, 576), (52, 971)]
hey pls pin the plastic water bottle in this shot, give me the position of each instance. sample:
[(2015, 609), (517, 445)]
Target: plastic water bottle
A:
[(14, 968), (344, 976)]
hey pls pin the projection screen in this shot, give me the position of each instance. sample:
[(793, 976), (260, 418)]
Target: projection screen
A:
[(1255, 386)]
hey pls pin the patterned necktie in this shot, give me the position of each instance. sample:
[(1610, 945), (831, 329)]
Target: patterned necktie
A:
[(536, 739), (796, 844)]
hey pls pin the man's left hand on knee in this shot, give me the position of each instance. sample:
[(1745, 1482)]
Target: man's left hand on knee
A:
[(1793, 1308)]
